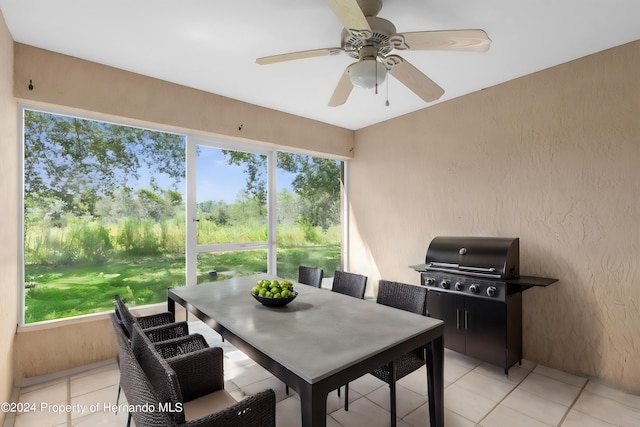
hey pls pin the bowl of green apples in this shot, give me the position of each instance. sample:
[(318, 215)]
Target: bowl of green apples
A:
[(274, 293)]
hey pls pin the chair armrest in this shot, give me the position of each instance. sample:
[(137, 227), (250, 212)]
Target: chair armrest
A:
[(181, 345), (167, 332), (199, 373), (155, 319), (258, 410)]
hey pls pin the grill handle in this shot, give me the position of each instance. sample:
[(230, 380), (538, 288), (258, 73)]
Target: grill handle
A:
[(455, 271), (479, 269), (442, 265)]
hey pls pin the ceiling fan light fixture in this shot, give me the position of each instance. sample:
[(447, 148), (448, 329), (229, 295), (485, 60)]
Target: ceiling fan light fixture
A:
[(367, 73)]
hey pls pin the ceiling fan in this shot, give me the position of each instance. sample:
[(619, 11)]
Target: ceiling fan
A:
[(371, 39)]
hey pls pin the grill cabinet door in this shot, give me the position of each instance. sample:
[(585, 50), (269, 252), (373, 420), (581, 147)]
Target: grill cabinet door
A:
[(449, 308), (486, 325)]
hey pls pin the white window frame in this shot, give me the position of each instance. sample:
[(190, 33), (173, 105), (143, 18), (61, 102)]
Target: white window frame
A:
[(192, 248)]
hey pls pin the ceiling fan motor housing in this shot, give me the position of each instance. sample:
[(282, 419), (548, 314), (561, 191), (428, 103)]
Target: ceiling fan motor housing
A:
[(381, 29)]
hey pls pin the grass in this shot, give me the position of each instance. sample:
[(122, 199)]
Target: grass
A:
[(81, 288)]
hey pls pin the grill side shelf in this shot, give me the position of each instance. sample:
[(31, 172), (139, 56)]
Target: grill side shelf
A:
[(526, 282)]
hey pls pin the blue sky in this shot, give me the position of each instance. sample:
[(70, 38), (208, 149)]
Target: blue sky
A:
[(216, 180)]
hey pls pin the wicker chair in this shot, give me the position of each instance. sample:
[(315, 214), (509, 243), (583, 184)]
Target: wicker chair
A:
[(190, 389), (311, 276), (350, 284), (167, 349), (409, 298), (159, 327)]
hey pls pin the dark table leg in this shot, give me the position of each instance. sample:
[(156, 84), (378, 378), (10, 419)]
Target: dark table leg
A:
[(435, 381), (314, 407)]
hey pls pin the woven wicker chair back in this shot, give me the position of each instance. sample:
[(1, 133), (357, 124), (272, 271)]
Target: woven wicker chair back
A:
[(350, 284), (163, 379), (311, 276), (403, 296), (125, 315), (135, 384)]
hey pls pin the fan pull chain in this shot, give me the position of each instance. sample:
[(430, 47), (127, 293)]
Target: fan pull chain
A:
[(386, 104)]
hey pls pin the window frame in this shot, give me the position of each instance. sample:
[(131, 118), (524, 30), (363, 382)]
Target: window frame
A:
[(192, 248)]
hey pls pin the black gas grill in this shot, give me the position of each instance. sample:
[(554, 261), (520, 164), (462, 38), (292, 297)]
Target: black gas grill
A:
[(475, 287)]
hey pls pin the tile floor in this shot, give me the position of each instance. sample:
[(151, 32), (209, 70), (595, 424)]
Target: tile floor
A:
[(476, 394)]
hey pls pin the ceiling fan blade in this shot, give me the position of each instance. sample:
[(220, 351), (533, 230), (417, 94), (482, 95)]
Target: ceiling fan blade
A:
[(413, 78), (465, 40), (342, 92), (265, 60), (352, 17)]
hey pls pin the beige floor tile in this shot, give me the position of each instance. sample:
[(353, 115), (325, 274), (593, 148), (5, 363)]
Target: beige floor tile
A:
[(486, 386), (54, 391), (335, 403), (420, 418), (565, 377), (364, 412), (607, 410), (101, 419), (609, 392), (460, 359), (578, 419), (503, 416), (365, 384), (82, 384), (550, 389), (247, 375), (42, 417), (466, 403), (288, 414), (96, 401), (416, 381), (516, 373), (453, 372), (536, 407), (407, 400), (269, 382), (43, 384)]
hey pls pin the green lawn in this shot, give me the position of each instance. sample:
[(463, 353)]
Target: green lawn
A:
[(60, 291)]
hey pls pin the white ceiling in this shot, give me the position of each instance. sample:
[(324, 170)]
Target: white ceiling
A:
[(212, 45)]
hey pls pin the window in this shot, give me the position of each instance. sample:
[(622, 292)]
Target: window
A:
[(103, 215), (308, 214), (114, 209)]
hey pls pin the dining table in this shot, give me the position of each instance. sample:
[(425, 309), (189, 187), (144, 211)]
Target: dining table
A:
[(319, 341)]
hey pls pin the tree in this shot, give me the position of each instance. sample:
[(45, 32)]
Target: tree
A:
[(254, 167), (317, 183), (78, 161)]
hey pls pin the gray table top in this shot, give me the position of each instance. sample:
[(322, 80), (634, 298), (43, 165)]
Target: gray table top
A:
[(317, 334)]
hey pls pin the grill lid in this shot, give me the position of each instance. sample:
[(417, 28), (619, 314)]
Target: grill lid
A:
[(495, 257)]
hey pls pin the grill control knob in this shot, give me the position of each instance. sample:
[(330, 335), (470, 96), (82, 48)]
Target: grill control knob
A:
[(473, 289), (458, 286), (445, 284), (430, 281), (491, 291)]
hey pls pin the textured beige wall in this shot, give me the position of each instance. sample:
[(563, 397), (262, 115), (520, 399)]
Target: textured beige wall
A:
[(552, 158), (72, 82), (8, 225)]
